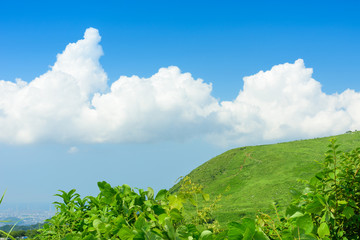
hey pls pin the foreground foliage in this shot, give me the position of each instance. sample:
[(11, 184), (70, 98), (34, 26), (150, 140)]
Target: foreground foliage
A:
[(121, 213), (328, 208)]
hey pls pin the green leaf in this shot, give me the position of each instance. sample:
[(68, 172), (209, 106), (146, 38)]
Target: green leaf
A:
[(326, 216), (296, 215), (175, 202), (96, 223), (348, 212), (192, 229), (321, 199), (291, 210), (331, 175), (243, 230), (170, 230), (206, 235), (305, 222), (260, 235), (314, 207), (235, 231), (323, 230), (182, 232), (176, 215), (249, 225), (141, 223), (125, 233), (149, 235), (158, 210), (150, 193), (161, 195)]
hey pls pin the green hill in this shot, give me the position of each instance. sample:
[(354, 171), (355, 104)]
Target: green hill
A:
[(259, 175)]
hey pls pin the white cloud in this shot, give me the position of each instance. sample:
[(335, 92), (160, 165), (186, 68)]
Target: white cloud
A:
[(73, 102), (286, 103), (73, 150)]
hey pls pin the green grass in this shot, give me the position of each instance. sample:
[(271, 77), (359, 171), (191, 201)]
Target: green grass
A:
[(260, 175)]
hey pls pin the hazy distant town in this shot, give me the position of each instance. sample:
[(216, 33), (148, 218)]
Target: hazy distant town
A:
[(24, 217)]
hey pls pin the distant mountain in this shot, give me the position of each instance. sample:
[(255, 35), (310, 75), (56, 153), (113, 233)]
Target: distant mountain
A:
[(8, 227), (256, 176), (9, 220)]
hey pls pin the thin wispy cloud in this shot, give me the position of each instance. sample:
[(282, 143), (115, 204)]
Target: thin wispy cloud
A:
[(74, 102), (73, 150)]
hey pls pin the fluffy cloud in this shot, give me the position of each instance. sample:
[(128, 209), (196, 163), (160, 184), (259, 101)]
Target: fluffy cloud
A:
[(286, 103), (73, 102)]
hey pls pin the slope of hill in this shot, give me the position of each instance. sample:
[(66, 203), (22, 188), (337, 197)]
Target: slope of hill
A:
[(256, 176)]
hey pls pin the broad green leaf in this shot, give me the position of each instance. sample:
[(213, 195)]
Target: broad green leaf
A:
[(323, 230), (314, 207), (325, 217), (205, 235), (170, 230), (260, 235), (314, 181), (125, 233), (305, 222), (96, 223), (182, 232), (235, 231), (296, 215), (348, 212), (162, 218), (176, 215), (192, 229), (249, 225), (175, 202), (291, 210), (161, 195), (140, 223), (150, 193), (158, 210), (244, 230), (321, 199), (220, 236)]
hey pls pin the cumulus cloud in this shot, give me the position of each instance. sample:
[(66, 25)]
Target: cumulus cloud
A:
[(73, 102), (286, 103)]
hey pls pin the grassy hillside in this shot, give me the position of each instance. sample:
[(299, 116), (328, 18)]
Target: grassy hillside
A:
[(259, 175)]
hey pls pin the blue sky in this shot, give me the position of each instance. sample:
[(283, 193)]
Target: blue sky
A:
[(156, 134)]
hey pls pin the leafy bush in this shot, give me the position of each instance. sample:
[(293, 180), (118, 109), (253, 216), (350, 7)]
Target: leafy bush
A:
[(328, 208), (121, 213)]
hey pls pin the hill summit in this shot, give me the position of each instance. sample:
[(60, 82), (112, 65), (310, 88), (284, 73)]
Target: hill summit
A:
[(252, 178)]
